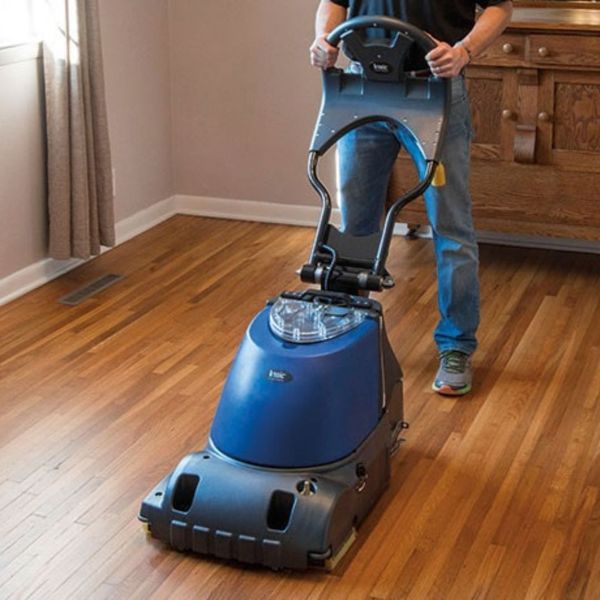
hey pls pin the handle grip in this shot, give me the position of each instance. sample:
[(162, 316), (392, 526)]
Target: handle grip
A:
[(358, 23)]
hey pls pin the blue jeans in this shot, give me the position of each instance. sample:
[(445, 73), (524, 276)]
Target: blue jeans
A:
[(366, 157)]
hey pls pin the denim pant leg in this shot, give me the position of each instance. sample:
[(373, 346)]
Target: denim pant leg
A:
[(365, 159), (456, 251)]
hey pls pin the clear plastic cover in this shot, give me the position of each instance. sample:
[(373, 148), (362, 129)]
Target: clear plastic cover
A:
[(308, 322)]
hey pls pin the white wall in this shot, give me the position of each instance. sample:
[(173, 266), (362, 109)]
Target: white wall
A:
[(22, 167), (245, 98), (135, 40)]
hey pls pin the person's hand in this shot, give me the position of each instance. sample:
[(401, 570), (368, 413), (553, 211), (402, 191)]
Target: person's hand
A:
[(446, 60), (322, 54)]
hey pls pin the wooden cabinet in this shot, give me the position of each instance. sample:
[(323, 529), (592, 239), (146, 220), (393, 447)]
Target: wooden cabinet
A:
[(535, 97)]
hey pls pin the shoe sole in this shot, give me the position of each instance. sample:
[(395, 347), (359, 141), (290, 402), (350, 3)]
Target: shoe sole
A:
[(448, 390)]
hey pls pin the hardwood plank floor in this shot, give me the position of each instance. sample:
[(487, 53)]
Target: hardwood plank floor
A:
[(493, 496)]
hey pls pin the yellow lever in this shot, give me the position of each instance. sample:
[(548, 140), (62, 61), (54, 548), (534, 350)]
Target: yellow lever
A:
[(439, 179)]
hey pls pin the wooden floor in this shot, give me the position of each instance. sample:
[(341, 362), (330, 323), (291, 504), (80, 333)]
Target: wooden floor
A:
[(493, 496)]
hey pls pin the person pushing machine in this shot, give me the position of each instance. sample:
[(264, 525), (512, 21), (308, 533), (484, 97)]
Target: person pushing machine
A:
[(366, 157)]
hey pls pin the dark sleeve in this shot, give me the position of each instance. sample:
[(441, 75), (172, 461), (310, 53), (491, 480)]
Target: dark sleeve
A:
[(486, 3), (344, 3)]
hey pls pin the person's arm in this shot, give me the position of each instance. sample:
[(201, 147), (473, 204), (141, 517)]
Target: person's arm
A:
[(449, 61), (329, 15)]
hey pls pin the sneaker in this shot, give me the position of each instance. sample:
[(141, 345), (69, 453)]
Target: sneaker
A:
[(454, 376)]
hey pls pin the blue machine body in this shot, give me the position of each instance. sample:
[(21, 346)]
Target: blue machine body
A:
[(288, 405)]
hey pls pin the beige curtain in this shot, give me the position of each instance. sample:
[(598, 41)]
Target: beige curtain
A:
[(80, 203)]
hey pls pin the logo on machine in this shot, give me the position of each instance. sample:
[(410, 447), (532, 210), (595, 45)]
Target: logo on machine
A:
[(381, 68), (279, 376)]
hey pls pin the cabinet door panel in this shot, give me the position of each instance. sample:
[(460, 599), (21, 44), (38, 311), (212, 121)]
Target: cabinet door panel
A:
[(493, 96), (572, 100), (486, 108), (577, 120)]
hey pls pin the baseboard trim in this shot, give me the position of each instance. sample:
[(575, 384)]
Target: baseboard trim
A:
[(260, 212), (543, 243), (34, 276), (250, 210), (46, 270), (145, 219)]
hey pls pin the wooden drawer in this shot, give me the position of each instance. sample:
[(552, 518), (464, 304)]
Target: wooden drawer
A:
[(508, 51), (564, 51)]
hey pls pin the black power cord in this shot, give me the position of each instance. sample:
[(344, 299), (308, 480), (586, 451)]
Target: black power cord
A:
[(331, 266)]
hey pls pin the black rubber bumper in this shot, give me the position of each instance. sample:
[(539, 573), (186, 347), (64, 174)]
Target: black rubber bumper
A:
[(280, 519)]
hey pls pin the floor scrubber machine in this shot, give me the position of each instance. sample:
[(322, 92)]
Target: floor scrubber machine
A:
[(312, 410)]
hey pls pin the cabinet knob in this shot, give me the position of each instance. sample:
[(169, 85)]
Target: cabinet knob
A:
[(543, 51), (507, 48), (544, 117), (507, 114)]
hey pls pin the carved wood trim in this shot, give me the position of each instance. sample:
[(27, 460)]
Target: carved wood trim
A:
[(525, 144), (526, 129)]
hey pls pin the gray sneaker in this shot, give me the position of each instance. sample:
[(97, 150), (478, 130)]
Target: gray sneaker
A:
[(454, 376)]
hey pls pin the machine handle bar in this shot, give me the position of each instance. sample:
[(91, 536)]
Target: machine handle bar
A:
[(358, 23)]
